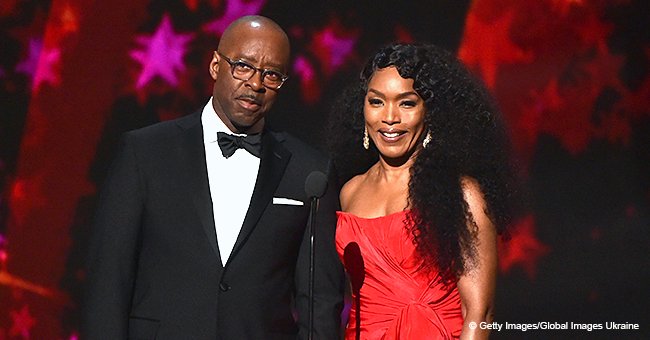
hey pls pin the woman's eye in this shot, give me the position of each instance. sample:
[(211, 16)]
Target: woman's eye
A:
[(409, 103), (374, 101)]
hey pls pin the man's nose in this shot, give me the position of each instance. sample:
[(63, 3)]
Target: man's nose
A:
[(255, 82)]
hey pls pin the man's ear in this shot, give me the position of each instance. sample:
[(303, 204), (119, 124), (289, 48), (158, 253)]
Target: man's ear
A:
[(214, 65)]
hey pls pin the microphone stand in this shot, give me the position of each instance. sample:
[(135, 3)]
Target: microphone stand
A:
[(315, 186), (312, 214)]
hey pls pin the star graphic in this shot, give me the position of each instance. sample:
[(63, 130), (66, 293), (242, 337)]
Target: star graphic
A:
[(22, 323), (29, 65), (573, 124), (192, 4), (637, 101), (565, 6), (523, 249), (7, 8), (234, 9), (529, 119), (402, 34), (486, 45), (592, 30), (309, 86), (604, 69), (41, 65), (332, 46), (69, 19), (161, 54)]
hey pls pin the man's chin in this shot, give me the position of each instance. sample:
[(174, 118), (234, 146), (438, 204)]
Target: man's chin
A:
[(247, 125)]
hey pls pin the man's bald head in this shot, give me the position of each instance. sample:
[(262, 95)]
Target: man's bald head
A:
[(254, 26)]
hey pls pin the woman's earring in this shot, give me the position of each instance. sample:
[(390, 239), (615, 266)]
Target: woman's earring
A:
[(427, 139), (366, 139)]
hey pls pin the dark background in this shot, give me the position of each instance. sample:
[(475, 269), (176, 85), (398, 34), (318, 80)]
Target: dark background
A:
[(571, 76)]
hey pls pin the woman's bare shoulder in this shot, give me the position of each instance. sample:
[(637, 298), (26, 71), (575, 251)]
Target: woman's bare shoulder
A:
[(349, 190)]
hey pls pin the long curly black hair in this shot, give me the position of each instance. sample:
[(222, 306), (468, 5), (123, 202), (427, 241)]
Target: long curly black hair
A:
[(468, 140)]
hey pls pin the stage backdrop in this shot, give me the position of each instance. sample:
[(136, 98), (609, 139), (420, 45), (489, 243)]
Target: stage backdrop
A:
[(572, 78)]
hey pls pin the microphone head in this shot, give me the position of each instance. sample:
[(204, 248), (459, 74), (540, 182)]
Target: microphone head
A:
[(315, 184)]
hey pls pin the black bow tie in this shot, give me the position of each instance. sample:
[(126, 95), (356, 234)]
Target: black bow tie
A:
[(229, 144)]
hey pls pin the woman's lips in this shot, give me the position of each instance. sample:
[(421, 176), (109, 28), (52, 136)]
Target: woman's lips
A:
[(391, 136)]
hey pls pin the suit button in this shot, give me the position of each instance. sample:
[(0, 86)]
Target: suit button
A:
[(224, 287)]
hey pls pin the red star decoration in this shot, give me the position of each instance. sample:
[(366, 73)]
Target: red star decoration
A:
[(486, 45), (601, 72), (309, 86), (604, 68), (565, 110), (571, 123), (234, 9), (637, 102), (592, 30), (403, 35), (22, 323), (564, 6), (523, 249), (527, 124), (333, 45), (7, 7), (192, 4), (69, 19)]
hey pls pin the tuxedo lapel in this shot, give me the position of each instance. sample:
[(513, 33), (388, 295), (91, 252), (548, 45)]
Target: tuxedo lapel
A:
[(192, 158), (273, 161)]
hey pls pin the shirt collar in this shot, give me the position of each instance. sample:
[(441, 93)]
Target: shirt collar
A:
[(212, 124)]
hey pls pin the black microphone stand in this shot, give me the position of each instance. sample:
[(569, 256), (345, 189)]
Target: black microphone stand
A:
[(315, 186), (312, 214)]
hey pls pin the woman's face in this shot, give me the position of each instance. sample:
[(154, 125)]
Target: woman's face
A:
[(394, 114)]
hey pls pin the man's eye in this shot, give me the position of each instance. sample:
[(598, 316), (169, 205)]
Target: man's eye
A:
[(273, 76), (242, 67)]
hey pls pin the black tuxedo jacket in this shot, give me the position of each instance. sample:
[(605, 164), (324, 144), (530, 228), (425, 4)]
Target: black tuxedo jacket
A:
[(154, 269)]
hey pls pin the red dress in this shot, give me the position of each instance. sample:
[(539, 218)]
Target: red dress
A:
[(398, 299)]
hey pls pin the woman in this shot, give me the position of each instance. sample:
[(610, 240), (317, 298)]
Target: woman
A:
[(418, 228)]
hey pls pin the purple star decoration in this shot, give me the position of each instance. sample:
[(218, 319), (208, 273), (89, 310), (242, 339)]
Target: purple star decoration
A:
[(40, 64), (161, 54), (234, 9)]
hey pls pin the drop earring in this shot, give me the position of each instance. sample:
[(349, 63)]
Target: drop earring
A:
[(366, 139), (427, 140)]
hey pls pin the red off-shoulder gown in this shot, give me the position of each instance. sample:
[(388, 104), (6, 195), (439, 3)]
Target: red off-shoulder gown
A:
[(397, 297)]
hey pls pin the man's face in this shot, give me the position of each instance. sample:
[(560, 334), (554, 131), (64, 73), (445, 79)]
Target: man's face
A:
[(242, 104)]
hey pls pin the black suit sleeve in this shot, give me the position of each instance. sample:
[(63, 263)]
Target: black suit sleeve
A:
[(328, 272), (113, 249)]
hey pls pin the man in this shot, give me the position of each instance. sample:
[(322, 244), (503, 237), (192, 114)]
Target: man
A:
[(193, 241)]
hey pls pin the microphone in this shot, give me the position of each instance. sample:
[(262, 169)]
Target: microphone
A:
[(315, 186)]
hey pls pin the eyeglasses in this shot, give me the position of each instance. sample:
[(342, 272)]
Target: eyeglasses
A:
[(244, 71)]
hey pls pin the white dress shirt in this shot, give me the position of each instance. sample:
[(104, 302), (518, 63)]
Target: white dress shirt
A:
[(231, 182)]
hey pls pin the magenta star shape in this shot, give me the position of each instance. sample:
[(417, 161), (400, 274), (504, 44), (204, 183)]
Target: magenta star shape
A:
[(332, 48), (161, 54), (234, 9), (309, 85), (22, 323), (41, 64)]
